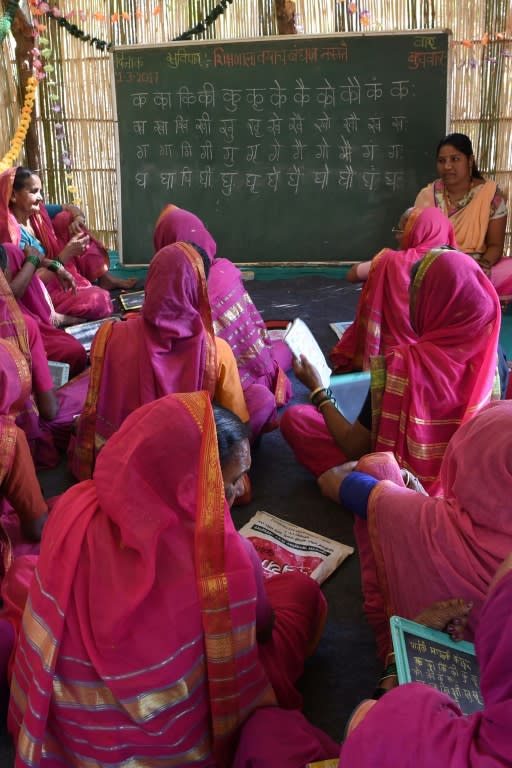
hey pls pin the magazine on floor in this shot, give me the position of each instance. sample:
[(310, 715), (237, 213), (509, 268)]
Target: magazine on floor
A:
[(285, 547), (302, 342)]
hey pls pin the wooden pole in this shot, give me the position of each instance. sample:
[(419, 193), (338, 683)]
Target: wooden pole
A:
[(23, 34), (286, 17)]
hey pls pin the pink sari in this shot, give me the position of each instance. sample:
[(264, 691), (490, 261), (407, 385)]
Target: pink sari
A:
[(415, 726), (169, 347), (235, 319), (458, 539), (382, 316), (47, 438), (59, 345), (421, 392), (148, 646), (90, 301)]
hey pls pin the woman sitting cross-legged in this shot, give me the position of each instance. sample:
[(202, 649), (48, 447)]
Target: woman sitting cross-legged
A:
[(420, 392), (476, 207), (412, 725), (169, 347), (260, 361), (416, 726), (156, 636), (456, 540), (25, 220), (382, 317)]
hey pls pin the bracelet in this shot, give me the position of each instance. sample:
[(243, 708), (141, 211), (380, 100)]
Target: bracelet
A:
[(325, 401), (328, 393), (316, 391), (54, 266), (390, 671), (33, 260)]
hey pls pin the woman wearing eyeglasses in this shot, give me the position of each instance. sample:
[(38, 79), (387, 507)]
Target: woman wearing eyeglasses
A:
[(382, 317)]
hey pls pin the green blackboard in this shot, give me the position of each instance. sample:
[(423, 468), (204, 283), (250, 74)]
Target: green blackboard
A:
[(291, 149)]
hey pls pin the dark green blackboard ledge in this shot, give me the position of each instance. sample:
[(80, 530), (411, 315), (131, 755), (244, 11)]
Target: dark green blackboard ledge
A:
[(251, 272)]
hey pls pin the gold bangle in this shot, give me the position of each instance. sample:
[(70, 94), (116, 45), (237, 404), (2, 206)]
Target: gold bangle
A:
[(316, 391), (324, 402)]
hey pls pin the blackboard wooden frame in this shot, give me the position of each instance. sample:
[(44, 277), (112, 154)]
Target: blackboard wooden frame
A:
[(351, 187)]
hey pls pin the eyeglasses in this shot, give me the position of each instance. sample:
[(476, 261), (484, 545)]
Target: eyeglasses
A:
[(397, 231)]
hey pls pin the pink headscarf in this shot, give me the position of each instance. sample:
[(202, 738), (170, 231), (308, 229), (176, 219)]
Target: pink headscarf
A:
[(235, 318), (382, 317), (169, 347), (9, 228), (415, 726), (151, 612), (432, 386)]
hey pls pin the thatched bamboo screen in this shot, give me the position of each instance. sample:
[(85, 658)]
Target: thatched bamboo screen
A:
[(74, 108)]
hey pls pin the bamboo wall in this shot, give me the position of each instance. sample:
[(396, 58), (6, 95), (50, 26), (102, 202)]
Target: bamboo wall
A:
[(481, 81)]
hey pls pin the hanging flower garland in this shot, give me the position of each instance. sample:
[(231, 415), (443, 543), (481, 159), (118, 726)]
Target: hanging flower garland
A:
[(7, 18), (101, 45), (19, 137)]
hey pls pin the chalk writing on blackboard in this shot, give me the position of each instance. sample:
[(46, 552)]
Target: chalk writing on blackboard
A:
[(431, 657), (330, 130)]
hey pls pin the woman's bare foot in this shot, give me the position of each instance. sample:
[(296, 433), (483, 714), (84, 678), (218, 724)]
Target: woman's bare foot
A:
[(109, 282), (450, 616)]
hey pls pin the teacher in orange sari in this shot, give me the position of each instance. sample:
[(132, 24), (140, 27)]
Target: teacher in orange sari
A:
[(169, 347), (476, 207)]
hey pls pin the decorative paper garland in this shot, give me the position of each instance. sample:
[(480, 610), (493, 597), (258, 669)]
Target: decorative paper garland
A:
[(7, 18), (102, 45)]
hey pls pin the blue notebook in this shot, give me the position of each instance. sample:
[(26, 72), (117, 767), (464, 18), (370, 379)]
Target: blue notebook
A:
[(428, 656)]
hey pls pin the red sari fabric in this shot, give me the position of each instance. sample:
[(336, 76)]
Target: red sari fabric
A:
[(59, 345), (90, 301), (148, 644), (235, 319), (421, 392), (169, 347), (459, 538), (416, 726), (382, 316)]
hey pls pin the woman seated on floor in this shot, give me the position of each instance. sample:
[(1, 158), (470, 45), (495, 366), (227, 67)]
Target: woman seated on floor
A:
[(169, 347), (412, 725), (382, 317), (416, 726), (420, 392), (47, 416), (462, 535), (476, 207), (236, 320), (157, 624), (24, 220), (35, 302), (23, 510)]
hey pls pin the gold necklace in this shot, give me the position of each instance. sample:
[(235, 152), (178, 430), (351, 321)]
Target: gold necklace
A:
[(461, 200)]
